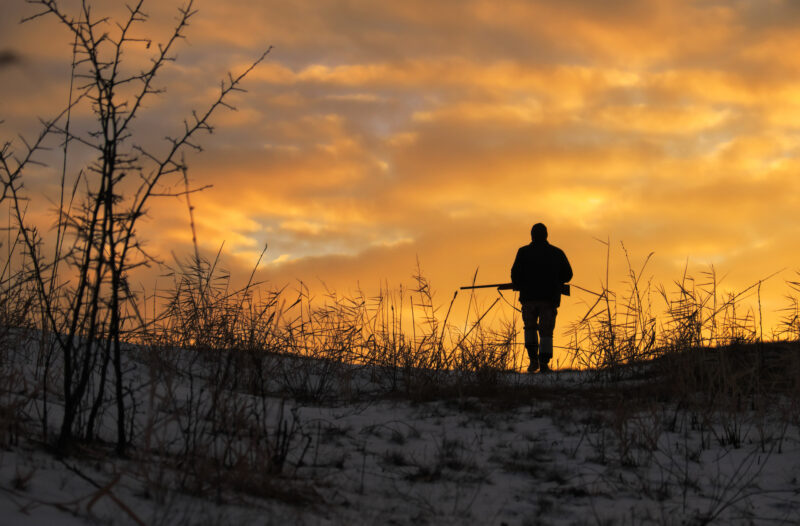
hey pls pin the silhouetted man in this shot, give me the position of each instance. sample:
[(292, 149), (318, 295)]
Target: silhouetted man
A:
[(539, 273)]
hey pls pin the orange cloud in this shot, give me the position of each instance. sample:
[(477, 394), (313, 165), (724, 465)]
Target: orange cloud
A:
[(376, 133)]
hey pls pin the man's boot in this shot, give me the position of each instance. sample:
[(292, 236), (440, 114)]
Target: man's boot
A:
[(534, 359), (532, 345), (545, 353)]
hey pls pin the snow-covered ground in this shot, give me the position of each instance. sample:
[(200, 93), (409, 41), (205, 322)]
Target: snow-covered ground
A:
[(557, 449)]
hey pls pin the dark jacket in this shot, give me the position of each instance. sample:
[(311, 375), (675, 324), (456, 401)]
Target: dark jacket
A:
[(538, 272)]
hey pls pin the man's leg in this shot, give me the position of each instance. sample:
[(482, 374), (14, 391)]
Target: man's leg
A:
[(529, 321), (547, 325)]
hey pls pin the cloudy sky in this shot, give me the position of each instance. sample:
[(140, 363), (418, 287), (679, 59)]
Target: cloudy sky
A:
[(379, 133)]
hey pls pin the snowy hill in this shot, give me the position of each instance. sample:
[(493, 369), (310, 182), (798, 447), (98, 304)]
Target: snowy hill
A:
[(566, 448)]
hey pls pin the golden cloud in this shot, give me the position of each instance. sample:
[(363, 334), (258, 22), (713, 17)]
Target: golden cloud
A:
[(379, 132)]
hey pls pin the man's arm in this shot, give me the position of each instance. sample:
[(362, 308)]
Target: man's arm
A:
[(566, 269), (517, 270)]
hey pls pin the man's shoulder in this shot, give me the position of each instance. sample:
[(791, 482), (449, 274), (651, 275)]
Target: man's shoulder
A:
[(524, 249), (553, 252), (539, 249)]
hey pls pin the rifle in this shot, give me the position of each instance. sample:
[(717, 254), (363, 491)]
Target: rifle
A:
[(510, 286)]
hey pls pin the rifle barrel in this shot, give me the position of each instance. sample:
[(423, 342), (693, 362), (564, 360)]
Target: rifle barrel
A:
[(492, 286)]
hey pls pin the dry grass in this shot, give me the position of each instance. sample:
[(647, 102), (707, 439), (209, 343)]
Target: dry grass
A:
[(206, 374)]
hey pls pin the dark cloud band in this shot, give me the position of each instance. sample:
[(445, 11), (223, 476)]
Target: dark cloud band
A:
[(9, 57)]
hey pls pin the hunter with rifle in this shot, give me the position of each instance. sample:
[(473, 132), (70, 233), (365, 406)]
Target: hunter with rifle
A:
[(540, 273)]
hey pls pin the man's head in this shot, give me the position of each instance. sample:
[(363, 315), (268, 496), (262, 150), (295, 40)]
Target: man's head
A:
[(539, 232)]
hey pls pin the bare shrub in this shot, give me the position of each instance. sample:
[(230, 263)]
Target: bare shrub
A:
[(83, 299)]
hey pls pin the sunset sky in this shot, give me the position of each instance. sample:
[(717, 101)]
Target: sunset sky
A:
[(376, 133)]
